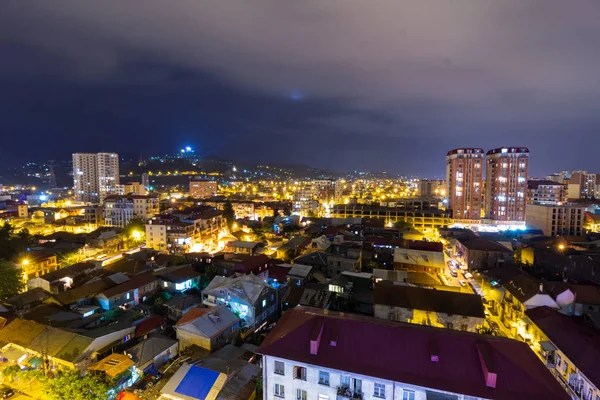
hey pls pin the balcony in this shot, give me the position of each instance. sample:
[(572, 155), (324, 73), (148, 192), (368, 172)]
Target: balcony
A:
[(344, 393)]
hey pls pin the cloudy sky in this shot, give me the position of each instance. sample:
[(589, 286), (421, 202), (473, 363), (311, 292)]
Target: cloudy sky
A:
[(343, 84)]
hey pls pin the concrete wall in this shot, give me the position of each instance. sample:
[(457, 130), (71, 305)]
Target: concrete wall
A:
[(419, 317)]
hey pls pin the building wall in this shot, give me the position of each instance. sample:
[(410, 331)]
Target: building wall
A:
[(203, 189), (421, 317), (478, 259), (85, 177), (393, 390), (506, 183), (547, 194), (464, 177), (557, 220), (156, 237)]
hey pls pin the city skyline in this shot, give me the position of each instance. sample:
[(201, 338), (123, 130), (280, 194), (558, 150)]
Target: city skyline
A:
[(421, 84)]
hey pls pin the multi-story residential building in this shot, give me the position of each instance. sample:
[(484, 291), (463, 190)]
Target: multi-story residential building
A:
[(569, 348), (177, 232), (431, 188), (132, 188), (120, 210), (553, 220), (464, 177), (95, 176), (506, 183), (583, 185), (420, 259), (546, 192), (440, 308), (38, 263), (323, 355), (129, 293), (247, 296), (203, 189), (422, 214)]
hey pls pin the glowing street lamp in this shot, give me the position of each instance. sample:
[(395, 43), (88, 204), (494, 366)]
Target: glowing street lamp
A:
[(137, 235), (25, 261)]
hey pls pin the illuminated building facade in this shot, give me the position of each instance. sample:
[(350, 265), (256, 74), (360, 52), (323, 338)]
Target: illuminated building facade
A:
[(95, 176), (203, 189), (464, 177), (506, 183)]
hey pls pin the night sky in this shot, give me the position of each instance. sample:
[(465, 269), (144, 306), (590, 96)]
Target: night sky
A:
[(348, 85)]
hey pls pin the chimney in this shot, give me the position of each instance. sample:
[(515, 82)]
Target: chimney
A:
[(315, 337), (334, 336), (487, 364), (434, 351), (541, 287)]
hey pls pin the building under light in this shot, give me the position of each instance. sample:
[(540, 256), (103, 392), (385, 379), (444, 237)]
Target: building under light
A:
[(464, 180), (506, 183)]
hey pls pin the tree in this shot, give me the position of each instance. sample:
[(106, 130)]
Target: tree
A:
[(228, 214), (135, 231), (286, 211), (13, 243), (403, 225), (11, 280), (68, 384)]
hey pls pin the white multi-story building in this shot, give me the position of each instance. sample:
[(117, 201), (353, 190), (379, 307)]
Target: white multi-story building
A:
[(553, 220), (119, 210), (95, 176), (317, 354)]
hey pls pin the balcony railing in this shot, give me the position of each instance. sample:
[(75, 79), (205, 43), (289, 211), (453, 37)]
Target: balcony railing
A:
[(345, 393)]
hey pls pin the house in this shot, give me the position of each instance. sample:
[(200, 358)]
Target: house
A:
[(419, 260), (355, 289), (317, 259), (293, 247), (247, 296), (178, 306), (311, 295), (84, 295), (257, 265), (574, 299), (482, 253), (129, 293), (422, 306), (224, 375), (318, 354), (178, 279), (207, 327), (321, 243), (27, 300), (37, 263), (241, 247), (570, 348), (151, 354), (118, 368), (299, 274)]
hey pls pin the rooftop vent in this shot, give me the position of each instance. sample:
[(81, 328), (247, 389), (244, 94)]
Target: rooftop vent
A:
[(315, 337), (487, 364)]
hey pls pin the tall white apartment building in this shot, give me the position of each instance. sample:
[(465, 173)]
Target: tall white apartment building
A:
[(315, 354), (95, 176)]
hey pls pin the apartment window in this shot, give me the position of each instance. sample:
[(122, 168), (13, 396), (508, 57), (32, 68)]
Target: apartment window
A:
[(323, 378), (300, 394), (279, 390), (128, 296), (408, 394), (300, 373), (165, 284), (345, 380), (279, 368), (379, 391)]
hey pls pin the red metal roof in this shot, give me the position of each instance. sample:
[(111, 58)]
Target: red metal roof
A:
[(148, 325), (193, 314), (402, 353)]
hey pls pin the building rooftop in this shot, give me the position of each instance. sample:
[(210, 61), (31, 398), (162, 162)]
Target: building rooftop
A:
[(113, 365), (482, 244), (179, 274), (417, 298), (146, 350), (579, 342), (440, 359), (135, 282), (247, 287)]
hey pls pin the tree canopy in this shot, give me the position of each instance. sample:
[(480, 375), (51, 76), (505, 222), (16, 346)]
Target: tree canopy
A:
[(13, 243), (135, 231), (11, 280), (68, 384), (229, 214)]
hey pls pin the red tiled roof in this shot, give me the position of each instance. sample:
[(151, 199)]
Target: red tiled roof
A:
[(579, 342), (148, 325), (135, 282), (252, 264), (402, 353), (193, 314)]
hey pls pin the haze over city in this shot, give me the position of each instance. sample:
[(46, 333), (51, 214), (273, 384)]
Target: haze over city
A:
[(354, 86)]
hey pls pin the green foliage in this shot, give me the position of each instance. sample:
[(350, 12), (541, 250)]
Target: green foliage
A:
[(12, 243), (484, 330), (258, 381), (228, 214), (11, 372), (135, 231), (69, 258), (111, 315), (179, 260), (11, 280), (137, 315), (68, 384), (403, 225)]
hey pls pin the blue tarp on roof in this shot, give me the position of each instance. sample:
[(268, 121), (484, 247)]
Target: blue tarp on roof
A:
[(197, 382)]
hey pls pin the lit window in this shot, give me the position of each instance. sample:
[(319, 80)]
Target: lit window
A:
[(264, 303), (128, 295), (300, 373), (165, 284)]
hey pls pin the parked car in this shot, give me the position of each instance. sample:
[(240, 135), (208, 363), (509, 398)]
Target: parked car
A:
[(467, 275), (454, 273), (6, 392), (462, 283)]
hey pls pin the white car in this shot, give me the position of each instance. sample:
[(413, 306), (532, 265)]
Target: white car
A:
[(462, 283)]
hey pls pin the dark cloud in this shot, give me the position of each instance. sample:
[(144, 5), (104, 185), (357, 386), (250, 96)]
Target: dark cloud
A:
[(376, 85)]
